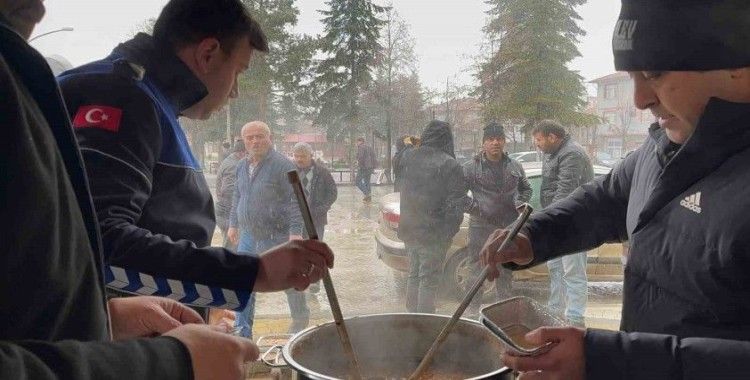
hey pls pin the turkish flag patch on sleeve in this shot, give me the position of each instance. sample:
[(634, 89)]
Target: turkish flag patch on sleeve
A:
[(102, 117)]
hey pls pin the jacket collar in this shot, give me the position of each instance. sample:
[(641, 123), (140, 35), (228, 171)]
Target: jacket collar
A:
[(723, 130), (5, 25), (483, 157), (271, 152), (564, 142), (171, 76)]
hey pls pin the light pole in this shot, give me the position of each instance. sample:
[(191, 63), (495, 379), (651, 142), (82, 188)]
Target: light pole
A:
[(65, 29)]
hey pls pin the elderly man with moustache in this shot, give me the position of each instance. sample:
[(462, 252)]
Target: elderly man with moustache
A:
[(265, 214)]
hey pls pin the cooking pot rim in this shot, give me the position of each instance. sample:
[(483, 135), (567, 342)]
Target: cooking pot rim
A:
[(286, 350)]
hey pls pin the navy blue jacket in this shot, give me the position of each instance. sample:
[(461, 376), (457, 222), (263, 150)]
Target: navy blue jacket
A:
[(264, 204), (686, 294), (53, 316), (154, 205)]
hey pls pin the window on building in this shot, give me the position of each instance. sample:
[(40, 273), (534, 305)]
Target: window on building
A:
[(614, 147), (610, 91), (610, 118)]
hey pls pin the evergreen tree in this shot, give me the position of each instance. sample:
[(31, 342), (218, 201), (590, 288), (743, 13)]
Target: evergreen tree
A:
[(272, 88), (395, 81), (351, 48), (525, 77)]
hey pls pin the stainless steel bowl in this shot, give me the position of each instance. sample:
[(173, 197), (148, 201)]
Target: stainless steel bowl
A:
[(390, 346), (512, 318)]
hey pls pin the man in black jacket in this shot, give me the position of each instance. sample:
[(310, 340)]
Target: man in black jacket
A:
[(499, 188), (366, 163), (154, 205), (566, 167), (322, 192), (431, 212), (54, 319), (318, 183), (680, 200)]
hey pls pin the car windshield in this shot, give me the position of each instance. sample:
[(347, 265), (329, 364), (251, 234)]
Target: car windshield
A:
[(401, 103)]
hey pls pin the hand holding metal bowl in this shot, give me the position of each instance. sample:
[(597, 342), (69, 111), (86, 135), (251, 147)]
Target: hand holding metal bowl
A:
[(511, 319)]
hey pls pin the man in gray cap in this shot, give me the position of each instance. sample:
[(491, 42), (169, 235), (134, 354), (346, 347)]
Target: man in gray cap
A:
[(679, 201), (498, 188)]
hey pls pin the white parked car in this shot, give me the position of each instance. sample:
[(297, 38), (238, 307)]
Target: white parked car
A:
[(530, 156)]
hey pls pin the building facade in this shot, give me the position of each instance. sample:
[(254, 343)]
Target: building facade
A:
[(623, 127)]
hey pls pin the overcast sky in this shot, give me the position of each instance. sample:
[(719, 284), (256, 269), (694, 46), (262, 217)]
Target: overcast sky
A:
[(447, 33)]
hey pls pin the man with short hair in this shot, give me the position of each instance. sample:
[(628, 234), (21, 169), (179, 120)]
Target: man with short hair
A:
[(366, 163), (679, 201), (321, 192), (431, 199), (55, 321), (226, 180), (265, 214), (499, 188), (319, 185), (154, 206), (565, 168)]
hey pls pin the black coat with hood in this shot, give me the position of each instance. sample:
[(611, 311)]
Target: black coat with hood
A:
[(686, 294), (433, 189)]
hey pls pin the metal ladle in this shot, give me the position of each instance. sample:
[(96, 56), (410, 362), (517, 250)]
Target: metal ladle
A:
[(427, 360), (338, 317)]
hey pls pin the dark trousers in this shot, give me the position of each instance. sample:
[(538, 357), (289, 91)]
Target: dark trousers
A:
[(478, 234), (362, 180), (320, 229), (425, 272)]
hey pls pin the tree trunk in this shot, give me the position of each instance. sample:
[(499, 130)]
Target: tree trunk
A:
[(351, 152)]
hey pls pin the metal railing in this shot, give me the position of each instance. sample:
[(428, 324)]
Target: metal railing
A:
[(346, 177)]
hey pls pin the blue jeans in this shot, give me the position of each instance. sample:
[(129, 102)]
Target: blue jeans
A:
[(362, 180), (321, 229), (297, 305), (244, 319), (425, 272), (568, 282)]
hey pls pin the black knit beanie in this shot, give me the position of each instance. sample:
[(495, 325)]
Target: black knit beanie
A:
[(682, 35), (493, 129)]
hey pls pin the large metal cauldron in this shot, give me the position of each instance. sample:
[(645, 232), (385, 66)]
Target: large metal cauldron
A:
[(390, 346)]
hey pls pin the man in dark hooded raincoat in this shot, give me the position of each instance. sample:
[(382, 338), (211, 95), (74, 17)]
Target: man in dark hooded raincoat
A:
[(432, 197)]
